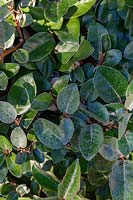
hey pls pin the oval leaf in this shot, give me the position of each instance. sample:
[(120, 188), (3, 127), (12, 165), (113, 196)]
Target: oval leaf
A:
[(7, 112), (18, 138), (90, 140), (68, 99)]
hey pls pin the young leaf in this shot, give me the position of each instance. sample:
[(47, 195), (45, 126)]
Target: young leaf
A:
[(3, 81), (70, 184), (68, 99), (5, 144)]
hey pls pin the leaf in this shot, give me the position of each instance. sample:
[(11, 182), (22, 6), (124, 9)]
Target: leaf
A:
[(110, 150), (80, 8), (14, 168), (42, 102), (112, 57), (4, 11), (84, 51), (45, 180), (21, 56), (129, 89), (7, 112), (60, 83), (121, 181), (90, 140), (22, 93), (111, 85), (68, 99), (18, 138), (39, 156), (70, 184), (22, 189), (5, 144), (48, 133), (12, 195), (7, 35), (129, 3), (67, 127), (88, 91), (96, 31), (3, 81), (55, 10), (128, 52), (3, 172), (129, 102), (10, 69), (39, 46), (122, 126), (98, 111)]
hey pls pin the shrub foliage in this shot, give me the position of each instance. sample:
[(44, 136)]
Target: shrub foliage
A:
[(66, 99)]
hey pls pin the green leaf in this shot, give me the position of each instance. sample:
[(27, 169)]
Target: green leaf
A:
[(3, 81), (90, 140), (112, 57), (48, 133), (4, 11), (21, 56), (12, 195), (18, 137), (84, 51), (14, 168), (42, 102), (39, 156), (98, 111), (7, 112), (22, 189), (39, 46), (96, 31), (129, 3), (116, 109), (88, 91), (68, 99), (129, 102), (3, 172), (111, 85), (10, 69), (128, 52), (60, 83), (110, 149), (7, 35), (70, 184), (121, 181), (5, 144), (44, 179), (67, 127), (129, 89), (122, 126), (25, 20), (55, 10), (22, 93), (80, 8)]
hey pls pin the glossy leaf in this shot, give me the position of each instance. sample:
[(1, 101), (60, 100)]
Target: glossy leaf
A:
[(5, 144), (7, 112), (21, 56), (121, 177), (69, 186), (111, 85), (90, 140), (10, 69), (3, 172), (42, 102), (68, 99), (122, 126), (39, 46), (7, 35), (98, 112), (48, 133), (88, 91), (45, 180), (112, 57), (128, 53), (3, 81), (13, 168), (18, 138), (22, 93)]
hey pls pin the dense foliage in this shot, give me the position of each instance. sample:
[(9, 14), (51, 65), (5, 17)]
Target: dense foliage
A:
[(66, 99)]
